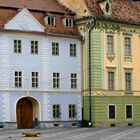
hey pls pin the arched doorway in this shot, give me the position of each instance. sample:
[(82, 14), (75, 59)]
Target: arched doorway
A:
[(27, 110)]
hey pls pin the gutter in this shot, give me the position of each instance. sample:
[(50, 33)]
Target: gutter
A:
[(89, 45)]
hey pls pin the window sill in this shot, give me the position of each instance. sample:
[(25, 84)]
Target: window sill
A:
[(128, 92), (128, 58)]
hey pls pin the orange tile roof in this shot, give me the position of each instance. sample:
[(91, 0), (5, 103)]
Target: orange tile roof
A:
[(38, 8), (46, 5), (122, 11)]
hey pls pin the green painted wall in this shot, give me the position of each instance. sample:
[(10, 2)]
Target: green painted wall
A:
[(96, 60), (100, 110)]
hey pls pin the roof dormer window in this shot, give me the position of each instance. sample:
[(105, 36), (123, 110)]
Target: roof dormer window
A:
[(106, 7), (68, 22), (49, 20)]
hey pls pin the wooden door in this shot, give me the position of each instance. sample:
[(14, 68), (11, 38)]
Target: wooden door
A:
[(24, 113)]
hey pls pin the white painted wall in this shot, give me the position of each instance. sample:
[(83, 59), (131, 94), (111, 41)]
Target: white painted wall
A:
[(45, 64)]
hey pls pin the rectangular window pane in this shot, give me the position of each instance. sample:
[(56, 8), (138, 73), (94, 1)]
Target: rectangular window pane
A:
[(111, 111), (18, 79), (72, 111), (34, 47), (128, 111), (55, 48), (110, 44), (68, 22), (73, 51), (127, 46), (35, 80), (56, 111), (56, 80), (128, 81), (111, 80), (17, 46), (51, 21), (73, 80)]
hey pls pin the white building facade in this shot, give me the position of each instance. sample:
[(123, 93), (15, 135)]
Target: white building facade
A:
[(40, 76)]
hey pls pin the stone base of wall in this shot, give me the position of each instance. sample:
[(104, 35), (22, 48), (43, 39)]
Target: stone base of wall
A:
[(59, 124), (42, 125), (114, 124), (9, 125)]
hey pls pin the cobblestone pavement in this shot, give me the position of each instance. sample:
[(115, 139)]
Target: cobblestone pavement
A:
[(113, 133)]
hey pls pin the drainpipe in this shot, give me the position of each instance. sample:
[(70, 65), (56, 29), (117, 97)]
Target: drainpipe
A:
[(89, 41)]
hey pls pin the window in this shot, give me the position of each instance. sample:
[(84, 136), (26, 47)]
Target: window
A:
[(127, 46), (68, 22), (18, 79), (34, 47), (17, 46), (128, 111), (55, 48), (50, 20), (73, 50), (56, 80), (72, 111), (35, 79), (128, 81), (111, 81), (110, 44), (56, 111), (73, 80), (111, 111)]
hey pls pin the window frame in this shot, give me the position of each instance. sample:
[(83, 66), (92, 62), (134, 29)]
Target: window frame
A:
[(72, 111), (36, 79), (68, 22), (111, 85), (110, 45), (131, 111), (55, 48), (50, 20), (56, 112), (73, 81), (73, 50), (18, 83), (127, 46), (56, 80), (34, 48), (17, 46), (115, 116), (130, 81)]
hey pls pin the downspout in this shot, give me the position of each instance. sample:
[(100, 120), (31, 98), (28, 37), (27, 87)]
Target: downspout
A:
[(89, 45)]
